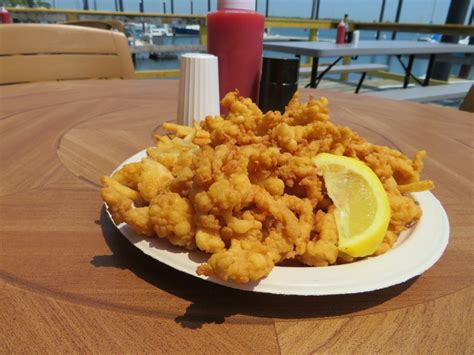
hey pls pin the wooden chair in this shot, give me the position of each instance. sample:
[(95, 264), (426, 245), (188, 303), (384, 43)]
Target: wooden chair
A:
[(32, 52), (468, 103)]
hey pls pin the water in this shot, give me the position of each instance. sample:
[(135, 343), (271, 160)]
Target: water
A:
[(420, 11), (419, 66)]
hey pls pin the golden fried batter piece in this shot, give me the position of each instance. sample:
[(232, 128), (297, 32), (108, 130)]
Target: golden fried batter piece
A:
[(193, 134), (240, 124), (175, 154), (128, 175), (122, 189), (138, 219), (172, 217), (322, 250), (388, 240), (244, 261), (209, 240), (153, 177), (295, 229), (122, 210), (212, 164), (225, 194), (405, 211), (117, 203)]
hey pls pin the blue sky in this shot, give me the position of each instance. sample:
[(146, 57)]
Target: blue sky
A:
[(422, 11)]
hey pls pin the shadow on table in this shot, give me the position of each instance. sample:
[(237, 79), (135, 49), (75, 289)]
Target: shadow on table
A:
[(212, 303)]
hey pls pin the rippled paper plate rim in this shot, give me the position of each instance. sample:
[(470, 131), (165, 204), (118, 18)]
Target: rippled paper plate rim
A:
[(415, 252)]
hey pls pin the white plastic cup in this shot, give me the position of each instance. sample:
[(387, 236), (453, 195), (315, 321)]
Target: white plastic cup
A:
[(355, 37), (198, 88)]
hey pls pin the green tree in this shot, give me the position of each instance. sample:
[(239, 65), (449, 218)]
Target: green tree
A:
[(28, 3)]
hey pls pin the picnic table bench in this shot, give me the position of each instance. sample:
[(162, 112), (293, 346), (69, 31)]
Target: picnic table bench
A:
[(425, 93), (349, 68)]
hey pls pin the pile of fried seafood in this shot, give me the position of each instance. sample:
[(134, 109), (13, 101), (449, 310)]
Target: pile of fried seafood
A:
[(244, 189)]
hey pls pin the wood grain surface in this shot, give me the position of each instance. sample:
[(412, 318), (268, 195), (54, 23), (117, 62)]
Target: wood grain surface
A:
[(69, 282)]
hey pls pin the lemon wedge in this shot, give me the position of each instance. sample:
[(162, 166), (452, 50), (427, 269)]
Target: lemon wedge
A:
[(362, 207)]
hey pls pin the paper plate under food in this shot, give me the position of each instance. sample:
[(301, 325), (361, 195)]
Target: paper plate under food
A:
[(415, 252)]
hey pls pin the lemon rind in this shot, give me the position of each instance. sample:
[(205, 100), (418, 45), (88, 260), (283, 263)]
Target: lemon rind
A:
[(358, 245)]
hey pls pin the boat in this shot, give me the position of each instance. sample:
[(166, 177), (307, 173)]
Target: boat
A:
[(157, 31), (188, 30), (465, 40), (433, 38)]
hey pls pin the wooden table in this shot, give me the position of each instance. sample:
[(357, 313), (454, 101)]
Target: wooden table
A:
[(70, 282)]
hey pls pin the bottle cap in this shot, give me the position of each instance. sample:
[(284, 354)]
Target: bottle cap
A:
[(198, 88), (280, 70), (236, 4)]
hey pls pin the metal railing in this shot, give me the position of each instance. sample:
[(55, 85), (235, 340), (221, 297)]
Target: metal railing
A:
[(63, 15)]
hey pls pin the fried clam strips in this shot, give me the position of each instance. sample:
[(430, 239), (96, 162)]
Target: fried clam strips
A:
[(294, 214), (194, 134), (122, 210), (405, 210), (213, 164), (244, 261), (278, 242), (124, 203), (153, 178), (218, 203), (239, 126), (177, 155), (322, 249), (251, 259), (171, 217), (233, 193), (297, 113), (140, 181), (387, 162)]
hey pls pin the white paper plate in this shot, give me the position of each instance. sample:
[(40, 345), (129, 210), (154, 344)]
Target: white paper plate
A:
[(415, 251)]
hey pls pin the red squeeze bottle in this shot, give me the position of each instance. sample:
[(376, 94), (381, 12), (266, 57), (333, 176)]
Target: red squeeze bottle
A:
[(341, 33), (235, 36), (5, 16)]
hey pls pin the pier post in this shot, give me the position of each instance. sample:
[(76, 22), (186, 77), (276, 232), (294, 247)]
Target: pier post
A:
[(315, 10), (456, 14), (313, 36), (347, 60), (382, 11), (267, 3), (203, 33), (397, 16)]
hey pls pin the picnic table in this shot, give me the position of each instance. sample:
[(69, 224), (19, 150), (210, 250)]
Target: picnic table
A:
[(319, 50), (70, 282)]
